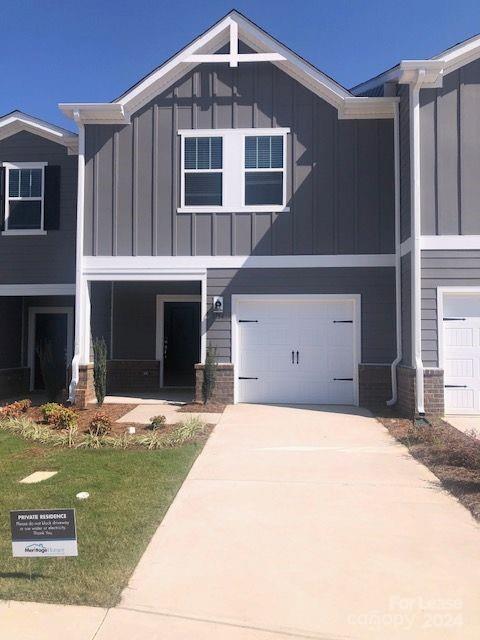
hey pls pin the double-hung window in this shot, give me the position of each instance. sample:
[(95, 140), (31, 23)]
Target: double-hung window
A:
[(203, 171), (24, 197), (233, 170), (264, 170)]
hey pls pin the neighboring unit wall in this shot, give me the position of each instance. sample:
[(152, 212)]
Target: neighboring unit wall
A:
[(403, 92), (406, 308), (376, 286), (450, 154), (48, 258), (443, 269), (340, 186)]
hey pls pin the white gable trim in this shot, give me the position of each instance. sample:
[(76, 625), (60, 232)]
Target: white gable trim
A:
[(201, 50), (17, 121)]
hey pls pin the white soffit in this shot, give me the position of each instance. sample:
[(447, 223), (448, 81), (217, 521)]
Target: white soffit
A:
[(231, 28), (17, 121)]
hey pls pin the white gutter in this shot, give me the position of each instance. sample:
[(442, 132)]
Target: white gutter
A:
[(79, 258), (398, 257), (416, 231)]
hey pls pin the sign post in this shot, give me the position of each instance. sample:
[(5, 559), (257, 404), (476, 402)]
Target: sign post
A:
[(43, 533)]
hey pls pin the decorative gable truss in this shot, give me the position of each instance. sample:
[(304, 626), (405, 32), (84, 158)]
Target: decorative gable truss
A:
[(17, 121), (228, 31)]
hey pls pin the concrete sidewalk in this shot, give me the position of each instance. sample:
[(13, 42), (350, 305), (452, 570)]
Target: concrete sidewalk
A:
[(302, 523)]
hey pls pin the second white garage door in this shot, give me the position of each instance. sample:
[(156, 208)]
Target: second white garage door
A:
[(290, 349)]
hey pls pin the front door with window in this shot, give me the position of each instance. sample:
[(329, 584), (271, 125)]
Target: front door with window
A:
[(181, 343), (51, 331)]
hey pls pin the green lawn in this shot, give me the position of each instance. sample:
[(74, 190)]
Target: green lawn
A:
[(130, 492)]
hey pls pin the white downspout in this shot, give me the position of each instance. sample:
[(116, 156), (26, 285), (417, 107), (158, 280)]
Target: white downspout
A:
[(398, 257), (79, 285), (416, 230)]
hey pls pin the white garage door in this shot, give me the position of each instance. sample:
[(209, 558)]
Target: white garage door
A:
[(292, 350), (461, 353)]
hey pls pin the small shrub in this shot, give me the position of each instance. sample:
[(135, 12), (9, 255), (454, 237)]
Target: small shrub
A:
[(15, 409), (100, 424), (209, 374), (100, 369), (50, 411), (59, 417), (157, 422)]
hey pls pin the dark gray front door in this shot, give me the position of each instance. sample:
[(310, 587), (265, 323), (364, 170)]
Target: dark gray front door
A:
[(51, 328), (181, 343)]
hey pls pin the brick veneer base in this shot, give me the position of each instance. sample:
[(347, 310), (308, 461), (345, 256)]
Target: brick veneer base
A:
[(14, 381), (433, 391), (223, 391), (133, 376), (374, 385), (85, 390)]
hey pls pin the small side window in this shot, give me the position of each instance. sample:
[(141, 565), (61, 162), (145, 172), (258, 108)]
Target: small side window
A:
[(24, 198)]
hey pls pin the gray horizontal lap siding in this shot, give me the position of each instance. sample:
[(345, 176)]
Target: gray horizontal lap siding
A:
[(450, 154), (376, 286), (443, 269), (340, 185), (50, 258)]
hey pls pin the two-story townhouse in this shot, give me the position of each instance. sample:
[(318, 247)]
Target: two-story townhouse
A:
[(439, 190), (238, 197), (38, 191)]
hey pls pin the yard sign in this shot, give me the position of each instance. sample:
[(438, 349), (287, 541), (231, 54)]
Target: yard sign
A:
[(43, 533)]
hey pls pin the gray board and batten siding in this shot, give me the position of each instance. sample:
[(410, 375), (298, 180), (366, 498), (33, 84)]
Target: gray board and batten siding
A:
[(340, 177), (450, 154), (47, 259)]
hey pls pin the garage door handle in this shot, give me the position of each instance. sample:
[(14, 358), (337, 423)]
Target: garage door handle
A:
[(343, 322), (346, 379), (293, 357), (456, 386), (297, 357), (454, 318), (246, 378)]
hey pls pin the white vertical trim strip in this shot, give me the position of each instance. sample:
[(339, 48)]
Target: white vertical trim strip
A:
[(398, 258), (79, 323), (416, 231)]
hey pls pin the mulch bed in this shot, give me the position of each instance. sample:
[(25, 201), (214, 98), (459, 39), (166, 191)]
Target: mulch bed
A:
[(116, 411), (451, 455), (199, 407)]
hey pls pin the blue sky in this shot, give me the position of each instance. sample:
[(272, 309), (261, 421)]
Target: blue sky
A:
[(92, 50)]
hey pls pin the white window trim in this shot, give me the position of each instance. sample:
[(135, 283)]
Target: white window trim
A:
[(24, 232), (233, 170)]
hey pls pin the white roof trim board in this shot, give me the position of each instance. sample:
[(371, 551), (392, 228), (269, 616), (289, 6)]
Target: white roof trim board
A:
[(232, 27), (436, 67), (17, 121)]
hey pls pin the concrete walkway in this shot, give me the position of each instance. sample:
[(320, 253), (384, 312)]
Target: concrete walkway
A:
[(303, 523)]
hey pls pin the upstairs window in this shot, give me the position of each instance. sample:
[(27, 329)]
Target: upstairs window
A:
[(24, 197), (233, 170), (264, 170), (203, 171)]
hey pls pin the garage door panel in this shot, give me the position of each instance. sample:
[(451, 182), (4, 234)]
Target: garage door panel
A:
[(461, 358), (325, 350)]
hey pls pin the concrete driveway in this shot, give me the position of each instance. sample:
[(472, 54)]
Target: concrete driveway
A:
[(305, 523)]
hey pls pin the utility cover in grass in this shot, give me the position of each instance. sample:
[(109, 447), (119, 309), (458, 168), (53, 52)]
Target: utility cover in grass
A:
[(38, 476)]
